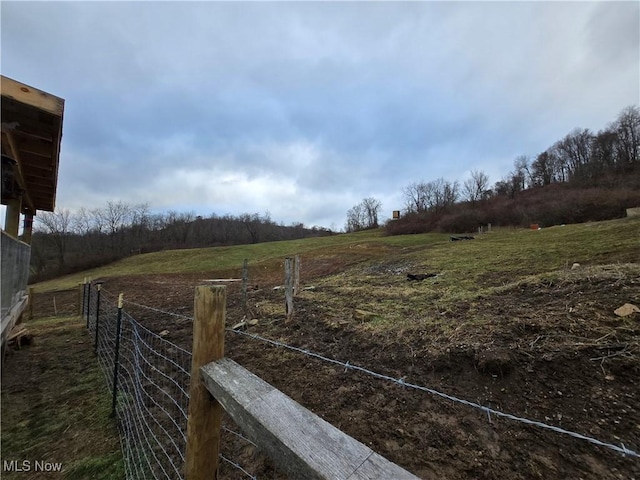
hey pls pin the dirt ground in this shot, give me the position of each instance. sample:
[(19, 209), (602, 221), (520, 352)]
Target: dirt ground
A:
[(548, 350)]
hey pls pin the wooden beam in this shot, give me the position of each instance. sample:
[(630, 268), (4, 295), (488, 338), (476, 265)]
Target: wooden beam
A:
[(41, 196), (33, 120), (297, 440), (12, 317), (28, 117), (29, 163), (31, 96), (18, 172), (39, 148), (38, 181), (33, 133)]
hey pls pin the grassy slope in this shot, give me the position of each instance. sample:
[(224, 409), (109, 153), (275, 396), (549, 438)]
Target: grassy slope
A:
[(469, 271), (222, 258), (491, 260)]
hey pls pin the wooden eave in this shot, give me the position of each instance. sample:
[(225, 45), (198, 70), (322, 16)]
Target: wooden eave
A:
[(31, 135)]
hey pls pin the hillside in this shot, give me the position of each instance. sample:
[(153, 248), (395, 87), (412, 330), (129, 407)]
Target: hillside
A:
[(506, 321), (548, 205)]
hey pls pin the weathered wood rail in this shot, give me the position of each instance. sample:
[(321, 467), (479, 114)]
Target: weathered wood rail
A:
[(301, 443), (298, 441)]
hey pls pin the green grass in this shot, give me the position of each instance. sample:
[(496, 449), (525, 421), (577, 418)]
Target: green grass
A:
[(492, 259), (470, 270), (97, 467), (499, 258), (205, 260), (55, 405)]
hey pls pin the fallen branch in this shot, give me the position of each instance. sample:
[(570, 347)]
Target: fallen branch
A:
[(608, 356)]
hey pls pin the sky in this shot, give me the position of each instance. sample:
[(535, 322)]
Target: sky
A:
[(302, 109)]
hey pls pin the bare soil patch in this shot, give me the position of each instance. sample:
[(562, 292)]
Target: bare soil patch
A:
[(548, 348)]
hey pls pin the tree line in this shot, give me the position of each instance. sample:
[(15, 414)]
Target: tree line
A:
[(65, 241), (603, 165)]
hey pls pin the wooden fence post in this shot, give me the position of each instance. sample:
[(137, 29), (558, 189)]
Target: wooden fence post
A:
[(288, 288), (84, 294), (205, 413), (88, 302), (97, 326), (116, 356), (296, 275), (80, 299), (245, 279)]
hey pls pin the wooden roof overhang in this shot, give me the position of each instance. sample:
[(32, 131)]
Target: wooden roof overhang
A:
[(31, 136)]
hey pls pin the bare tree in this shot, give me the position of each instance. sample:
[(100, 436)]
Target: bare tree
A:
[(574, 151), (604, 148), (415, 197), (441, 194), (364, 215), (116, 215), (431, 196), (509, 186), (356, 219), (475, 188), (371, 207), (521, 172), (57, 225), (544, 169), (140, 214), (82, 222), (628, 129)]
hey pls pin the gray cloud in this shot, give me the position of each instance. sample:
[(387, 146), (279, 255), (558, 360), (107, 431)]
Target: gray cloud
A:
[(303, 109)]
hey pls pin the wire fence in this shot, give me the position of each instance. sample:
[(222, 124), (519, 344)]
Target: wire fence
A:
[(152, 380), (14, 263), (150, 377), (402, 382)]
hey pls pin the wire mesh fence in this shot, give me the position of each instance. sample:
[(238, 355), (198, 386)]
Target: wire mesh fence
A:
[(15, 271), (150, 378)]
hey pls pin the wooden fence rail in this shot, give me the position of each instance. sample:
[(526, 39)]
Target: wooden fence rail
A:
[(297, 441)]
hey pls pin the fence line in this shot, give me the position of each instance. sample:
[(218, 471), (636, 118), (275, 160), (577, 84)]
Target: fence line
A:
[(14, 264), (152, 397), (238, 434), (238, 467), (402, 382)]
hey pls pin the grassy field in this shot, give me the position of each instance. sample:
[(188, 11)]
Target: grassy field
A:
[(55, 406), (208, 260), (496, 258)]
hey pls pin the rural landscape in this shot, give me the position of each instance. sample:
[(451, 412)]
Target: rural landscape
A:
[(334, 240), (521, 321)]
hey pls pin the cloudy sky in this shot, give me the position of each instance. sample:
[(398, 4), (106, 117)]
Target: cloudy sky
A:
[(302, 109)]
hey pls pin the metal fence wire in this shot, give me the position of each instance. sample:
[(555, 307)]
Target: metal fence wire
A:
[(15, 271), (151, 376)]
